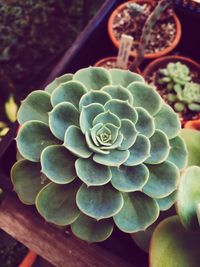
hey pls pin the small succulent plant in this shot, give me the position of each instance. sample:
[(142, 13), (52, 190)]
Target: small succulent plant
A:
[(99, 148), (135, 9)]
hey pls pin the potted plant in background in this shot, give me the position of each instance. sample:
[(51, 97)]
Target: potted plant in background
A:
[(130, 17)]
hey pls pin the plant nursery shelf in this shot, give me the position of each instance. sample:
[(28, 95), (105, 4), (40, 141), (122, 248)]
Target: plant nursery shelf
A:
[(53, 244)]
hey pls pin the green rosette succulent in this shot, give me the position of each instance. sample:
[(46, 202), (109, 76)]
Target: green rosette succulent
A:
[(98, 148)]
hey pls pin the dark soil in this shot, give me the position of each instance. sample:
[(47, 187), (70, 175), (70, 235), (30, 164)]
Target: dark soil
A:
[(162, 35), (153, 80)]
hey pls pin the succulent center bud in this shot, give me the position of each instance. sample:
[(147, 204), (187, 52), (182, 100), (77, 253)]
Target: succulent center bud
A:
[(105, 137)]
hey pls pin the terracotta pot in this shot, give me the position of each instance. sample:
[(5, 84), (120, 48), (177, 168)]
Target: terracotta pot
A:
[(195, 124), (102, 62), (152, 55), (29, 259)]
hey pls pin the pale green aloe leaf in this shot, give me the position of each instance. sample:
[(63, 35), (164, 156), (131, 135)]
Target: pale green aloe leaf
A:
[(92, 146), (139, 152), (145, 124), (118, 92), (91, 230), (35, 107), (159, 148), (88, 114), (167, 120), (188, 198), (93, 97), (144, 95), (27, 180), (124, 77), (129, 133), (32, 138), (138, 212), (58, 164), (129, 179), (163, 180), (167, 202), (173, 246), (107, 117), (178, 152), (99, 202), (115, 158), (192, 140), (75, 142), (61, 117), (11, 108), (68, 92), (92, 173), (57, 203), (94, 78), (62, 79), (122, 109)]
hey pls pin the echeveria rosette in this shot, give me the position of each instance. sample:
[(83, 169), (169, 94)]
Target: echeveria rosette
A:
[(99, 148)]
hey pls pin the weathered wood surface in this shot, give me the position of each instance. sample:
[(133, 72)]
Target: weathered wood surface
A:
[(62, 251)]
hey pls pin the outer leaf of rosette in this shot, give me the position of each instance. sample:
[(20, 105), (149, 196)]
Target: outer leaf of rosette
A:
[(27, 180), (71, 92), (94, 78), (35, 107), (188, 198), (57, 203), (91, 230), (144, 95), (99, 202), (118, 92), (139, 212), (62, 79), (32, 138), (124, 77)]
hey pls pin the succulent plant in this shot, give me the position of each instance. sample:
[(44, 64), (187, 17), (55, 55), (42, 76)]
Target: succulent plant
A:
[(135, 8), (99, 148)]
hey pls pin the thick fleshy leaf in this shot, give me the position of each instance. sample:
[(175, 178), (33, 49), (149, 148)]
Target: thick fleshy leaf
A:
[(145, 123), (129, 179), (124, 77), (192, 141), (27, 180), (138, 212), (188, 198), (167, 120), (122, 109), (115, 158), (68, 92), (173, 246), (94, 97), (35, 107), (94, 131), (129, 133), (139, 152), (57, 203), (88, 114), (107, 117), (144, 95), (61, 117), (159, 148), (118, 92), (116, 144), (114, 131), (93, 77), (32, 138), (92, 173), (167, 202), (92, 146), (99, 202), (58, 164), (92, 230), (75, 141), (178, 152), (163, 180), (62, 79)]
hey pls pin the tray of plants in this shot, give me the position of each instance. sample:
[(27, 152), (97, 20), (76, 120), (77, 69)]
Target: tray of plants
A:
[(100, 155)]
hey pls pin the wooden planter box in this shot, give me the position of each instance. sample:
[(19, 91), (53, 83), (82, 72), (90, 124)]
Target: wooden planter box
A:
[(59, 246)]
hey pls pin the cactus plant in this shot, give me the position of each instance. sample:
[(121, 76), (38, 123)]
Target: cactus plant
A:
[(99, 148)]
